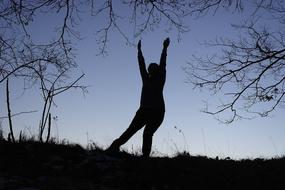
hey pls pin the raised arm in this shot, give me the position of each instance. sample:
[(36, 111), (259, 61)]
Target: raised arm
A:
[(141, 63), (164, 53)]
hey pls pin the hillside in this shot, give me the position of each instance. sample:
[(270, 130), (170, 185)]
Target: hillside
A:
[(37, 166)]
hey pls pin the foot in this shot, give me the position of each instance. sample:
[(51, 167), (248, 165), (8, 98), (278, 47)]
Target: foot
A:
[(114, 148)]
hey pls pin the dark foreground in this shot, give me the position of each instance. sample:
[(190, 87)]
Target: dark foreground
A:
[(35, 166)]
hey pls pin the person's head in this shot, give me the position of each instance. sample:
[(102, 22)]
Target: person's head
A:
[(152, 69)]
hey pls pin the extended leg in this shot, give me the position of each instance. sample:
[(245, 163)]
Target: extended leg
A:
[(137, 123)]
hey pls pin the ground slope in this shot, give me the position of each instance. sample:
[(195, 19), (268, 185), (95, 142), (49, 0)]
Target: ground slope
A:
[(34, 166)]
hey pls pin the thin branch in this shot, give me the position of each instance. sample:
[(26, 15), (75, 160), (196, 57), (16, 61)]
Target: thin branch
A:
[(17, 114), (9, 110)]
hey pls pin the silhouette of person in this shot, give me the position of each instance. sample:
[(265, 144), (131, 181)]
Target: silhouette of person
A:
[(151, 111)]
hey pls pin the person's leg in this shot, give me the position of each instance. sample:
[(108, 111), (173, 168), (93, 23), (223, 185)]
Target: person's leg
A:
[(150, 128), (137, 123)]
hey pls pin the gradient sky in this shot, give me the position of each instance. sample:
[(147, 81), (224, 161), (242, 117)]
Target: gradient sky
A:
[(114, 94)]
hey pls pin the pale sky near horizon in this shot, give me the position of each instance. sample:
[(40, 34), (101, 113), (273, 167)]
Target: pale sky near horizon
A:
[(114, 95)]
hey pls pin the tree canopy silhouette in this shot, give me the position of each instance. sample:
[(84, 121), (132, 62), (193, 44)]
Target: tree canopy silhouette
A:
[(250, 72), (254, 65), (22, 55)]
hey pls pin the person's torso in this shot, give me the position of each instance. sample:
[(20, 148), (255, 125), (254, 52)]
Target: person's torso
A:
[(152, 92)]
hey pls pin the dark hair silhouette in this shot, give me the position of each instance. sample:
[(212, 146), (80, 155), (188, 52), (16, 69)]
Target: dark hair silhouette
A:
[(153, 69), (151, 111)]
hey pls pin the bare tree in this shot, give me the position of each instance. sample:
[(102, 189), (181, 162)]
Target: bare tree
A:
[(250, 72), (51, 89), (142, 16), (47, 64), (19, 53), (9, 111), (18, 48), (21, 56)]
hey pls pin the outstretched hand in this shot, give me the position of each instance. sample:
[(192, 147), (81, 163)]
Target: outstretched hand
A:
[(139, 45), (166, 43)]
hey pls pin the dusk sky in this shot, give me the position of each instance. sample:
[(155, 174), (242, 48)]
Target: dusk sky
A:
[(114, 90)]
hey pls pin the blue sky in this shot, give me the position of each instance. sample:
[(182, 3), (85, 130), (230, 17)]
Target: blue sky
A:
[(114, 94)]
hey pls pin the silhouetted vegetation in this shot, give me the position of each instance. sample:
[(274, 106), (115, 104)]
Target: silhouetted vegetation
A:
[(11, 133), (248, 72), (43, 166)]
